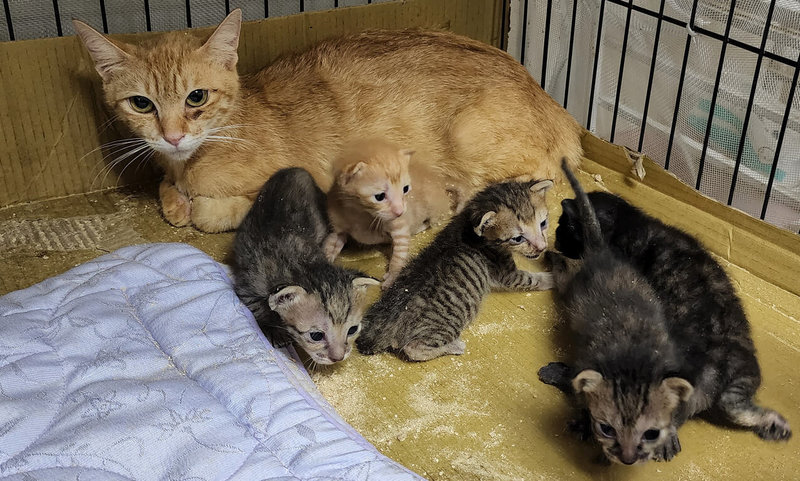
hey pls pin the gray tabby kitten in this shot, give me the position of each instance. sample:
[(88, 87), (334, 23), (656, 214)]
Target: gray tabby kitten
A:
[(283, 276), (439, 293), (704, 316), (626, 366)]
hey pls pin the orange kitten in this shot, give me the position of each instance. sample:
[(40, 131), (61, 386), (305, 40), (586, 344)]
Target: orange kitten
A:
[(474, 110), (380, 194)]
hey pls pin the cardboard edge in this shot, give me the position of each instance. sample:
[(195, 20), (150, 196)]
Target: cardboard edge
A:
[(771, 253)]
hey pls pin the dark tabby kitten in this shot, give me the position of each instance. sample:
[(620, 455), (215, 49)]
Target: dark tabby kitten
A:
[(439, 293), (625, 361), (283, 276), (704, 315)]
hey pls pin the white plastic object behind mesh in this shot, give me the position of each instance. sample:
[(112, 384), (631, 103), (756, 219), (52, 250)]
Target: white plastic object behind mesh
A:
[(769, 104)]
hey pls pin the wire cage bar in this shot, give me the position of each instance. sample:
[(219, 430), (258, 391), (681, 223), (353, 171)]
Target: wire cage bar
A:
[(50, 18), (704, 87)]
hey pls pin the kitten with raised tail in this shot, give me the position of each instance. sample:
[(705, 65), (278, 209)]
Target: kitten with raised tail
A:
[(439, 292), (472, 108), (381, 194), (284, 278), (705, 318), (626, 367)]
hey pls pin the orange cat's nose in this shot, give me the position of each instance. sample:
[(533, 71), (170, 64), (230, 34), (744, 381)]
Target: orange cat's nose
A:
[(174, 138)]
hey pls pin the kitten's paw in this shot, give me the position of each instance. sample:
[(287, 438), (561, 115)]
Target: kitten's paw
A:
[(333, 245), (557, 374), (419, 351), (222, 214), (456, 348), (176, 207), (668, 450), (544, 282), (388, 279), (773, 427)]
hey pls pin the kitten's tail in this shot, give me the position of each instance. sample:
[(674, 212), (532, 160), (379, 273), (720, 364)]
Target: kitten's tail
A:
[(591, 226)]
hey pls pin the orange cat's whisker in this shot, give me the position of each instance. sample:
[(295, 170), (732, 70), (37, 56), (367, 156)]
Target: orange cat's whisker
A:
[(115, 144), (113, 148), (105, 125), (119, 160), (136, 159), (228, 139)]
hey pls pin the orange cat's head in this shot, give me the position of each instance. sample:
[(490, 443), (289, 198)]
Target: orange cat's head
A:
[(375, 174), (175, 93)]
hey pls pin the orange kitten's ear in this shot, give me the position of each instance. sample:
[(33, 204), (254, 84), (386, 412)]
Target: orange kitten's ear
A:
[(351, 171), (541, 187), (222, 44), (107, 56)]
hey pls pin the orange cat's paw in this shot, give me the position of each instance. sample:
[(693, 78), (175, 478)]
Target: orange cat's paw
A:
[(222, 214), (176, 207)]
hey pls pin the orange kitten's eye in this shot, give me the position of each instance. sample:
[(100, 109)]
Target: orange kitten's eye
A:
[(406, 189), (141, 104), (380, 197), (197, 98)]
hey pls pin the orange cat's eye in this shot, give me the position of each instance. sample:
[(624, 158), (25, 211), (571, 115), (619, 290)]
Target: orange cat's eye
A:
[(141, 104), (197, 98)]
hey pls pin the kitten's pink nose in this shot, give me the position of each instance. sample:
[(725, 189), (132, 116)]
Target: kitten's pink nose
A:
[(398, 209), (174, 138)]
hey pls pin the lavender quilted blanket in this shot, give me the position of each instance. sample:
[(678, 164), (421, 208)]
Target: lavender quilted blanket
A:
[(143, 364)]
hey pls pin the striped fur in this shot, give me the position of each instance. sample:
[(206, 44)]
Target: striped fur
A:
[(705, 321), (283, 277), (625, 371), (381, 194), (440, 292)]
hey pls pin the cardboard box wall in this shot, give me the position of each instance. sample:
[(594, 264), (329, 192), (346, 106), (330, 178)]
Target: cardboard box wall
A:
[(481, 416)]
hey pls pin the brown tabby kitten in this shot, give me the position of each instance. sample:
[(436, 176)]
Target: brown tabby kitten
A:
[(439, 292), (282, 275), (471, 107), (625, 371), (381, 194)]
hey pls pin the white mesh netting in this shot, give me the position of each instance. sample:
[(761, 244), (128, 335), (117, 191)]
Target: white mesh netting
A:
[(769, 102)]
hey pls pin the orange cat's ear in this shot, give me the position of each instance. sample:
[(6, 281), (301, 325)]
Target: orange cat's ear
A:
[(107, 56), (350, 172), (222, 44)]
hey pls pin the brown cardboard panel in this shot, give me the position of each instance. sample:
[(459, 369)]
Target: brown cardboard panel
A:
[(764, 250), (52, 121)]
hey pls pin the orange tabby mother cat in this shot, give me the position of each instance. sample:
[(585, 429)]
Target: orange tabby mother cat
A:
[(471, 107)]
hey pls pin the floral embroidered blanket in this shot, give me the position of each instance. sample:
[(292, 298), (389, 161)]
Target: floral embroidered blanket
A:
[(143, 364)]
